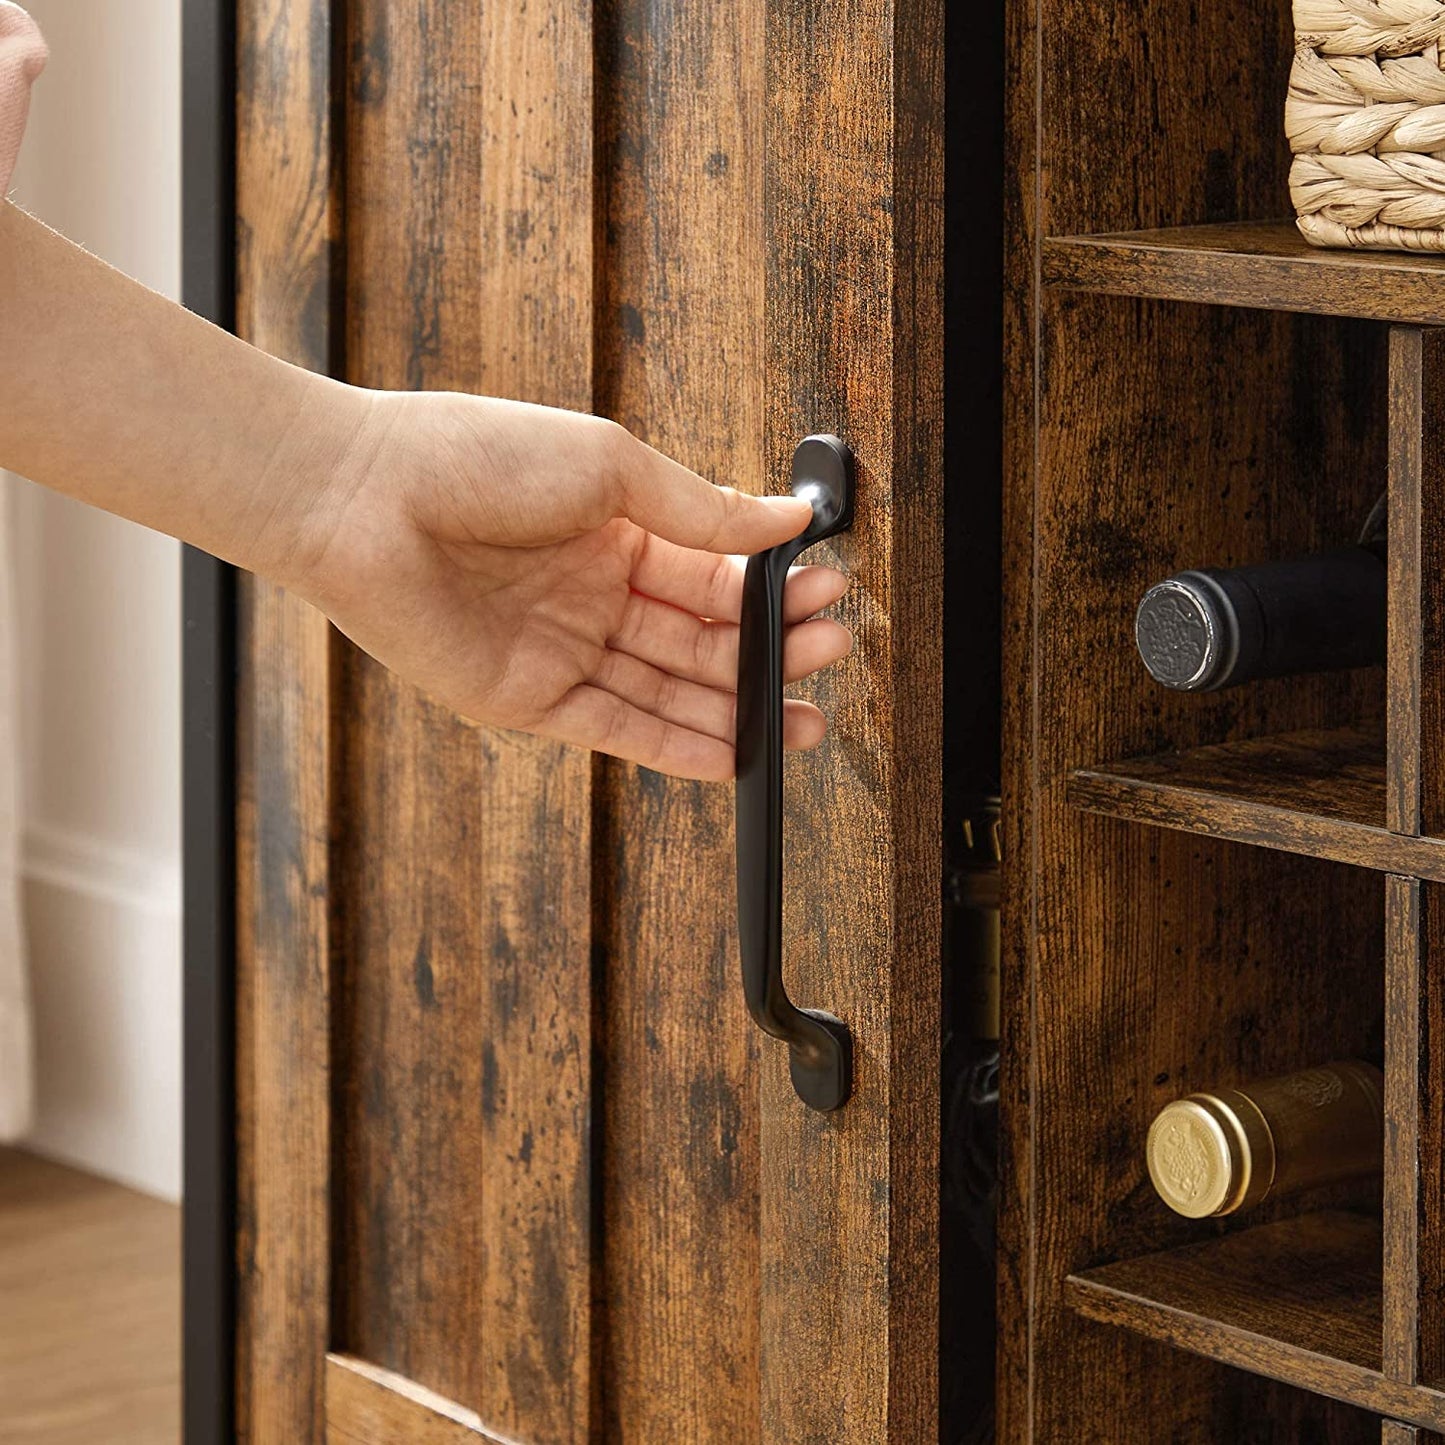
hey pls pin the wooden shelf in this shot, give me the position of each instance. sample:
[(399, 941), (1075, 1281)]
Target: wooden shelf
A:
[(1265, 264), (1297, 1301), (1321, 794)]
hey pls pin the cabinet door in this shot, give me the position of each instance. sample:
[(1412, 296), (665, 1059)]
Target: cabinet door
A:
[(513, 1162)]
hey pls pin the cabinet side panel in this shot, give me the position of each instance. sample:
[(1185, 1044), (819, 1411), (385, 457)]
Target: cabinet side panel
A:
[(287, 223)]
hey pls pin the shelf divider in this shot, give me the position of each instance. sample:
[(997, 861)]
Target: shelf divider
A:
[(1298, 1301), (1265, 265), (1321, 793), (1414, 1231)]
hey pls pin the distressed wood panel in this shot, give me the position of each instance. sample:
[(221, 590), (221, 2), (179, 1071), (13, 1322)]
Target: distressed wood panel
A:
[(1417, 579), (853, 204), (475, 953), (1395, 1432), (1264, 264), (288, 221), (679, 324), (366, 1405), (1414, 1292), (465, 1195), (1144, 437), (1161, 962)]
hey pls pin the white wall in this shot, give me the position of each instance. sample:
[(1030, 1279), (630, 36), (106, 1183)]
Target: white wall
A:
[(99, 637)]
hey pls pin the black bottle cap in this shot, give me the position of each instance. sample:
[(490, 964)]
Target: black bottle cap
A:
[(1188, 632)]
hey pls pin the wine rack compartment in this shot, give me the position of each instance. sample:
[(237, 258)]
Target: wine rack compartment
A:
[(1295, 1298), (1224, 886), (1208, 888)]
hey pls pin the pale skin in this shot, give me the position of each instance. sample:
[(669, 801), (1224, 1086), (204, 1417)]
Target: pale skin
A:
[(528, 567)]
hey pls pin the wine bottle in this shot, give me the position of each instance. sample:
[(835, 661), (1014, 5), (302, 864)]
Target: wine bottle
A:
[(1218, 627), (1220, 1152)]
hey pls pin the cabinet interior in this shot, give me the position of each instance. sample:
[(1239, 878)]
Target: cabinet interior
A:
[(1203, 889)]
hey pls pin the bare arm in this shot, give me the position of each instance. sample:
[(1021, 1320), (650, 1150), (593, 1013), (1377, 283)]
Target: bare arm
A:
[(531, 567)]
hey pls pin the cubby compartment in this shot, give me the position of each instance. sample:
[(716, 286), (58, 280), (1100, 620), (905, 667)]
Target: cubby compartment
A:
[(1195, 964), (1210, 888), (1234, 885), (1174, 437)]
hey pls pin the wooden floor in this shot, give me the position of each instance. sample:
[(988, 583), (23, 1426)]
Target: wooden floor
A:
[(89, 1310)]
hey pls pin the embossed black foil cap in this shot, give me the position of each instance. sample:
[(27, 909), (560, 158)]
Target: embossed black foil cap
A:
[(1209, 629), (1188, 632)]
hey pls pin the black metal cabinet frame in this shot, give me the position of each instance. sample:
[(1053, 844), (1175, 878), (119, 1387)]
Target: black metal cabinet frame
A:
[(208, 773)]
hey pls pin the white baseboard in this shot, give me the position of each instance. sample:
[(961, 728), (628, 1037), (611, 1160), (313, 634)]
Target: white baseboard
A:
[(104, 938)]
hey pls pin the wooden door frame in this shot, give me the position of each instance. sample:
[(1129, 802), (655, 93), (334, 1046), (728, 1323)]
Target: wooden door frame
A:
[(208, 702)]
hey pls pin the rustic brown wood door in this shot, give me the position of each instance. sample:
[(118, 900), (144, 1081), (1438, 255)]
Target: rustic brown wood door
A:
[(513, 1162)]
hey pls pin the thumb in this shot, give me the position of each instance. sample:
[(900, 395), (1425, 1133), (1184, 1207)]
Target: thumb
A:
[(662, 496)]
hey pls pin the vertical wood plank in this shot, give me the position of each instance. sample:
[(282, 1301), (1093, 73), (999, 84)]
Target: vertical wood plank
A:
[(1016, 1297), (1401, 1263), (1414, 1201), (679, 326), (467, 1018), (287, 222), (1415, 998), (1402, 703), (1416, 798), (1430, 579), (1394, 1432), (853, 193)]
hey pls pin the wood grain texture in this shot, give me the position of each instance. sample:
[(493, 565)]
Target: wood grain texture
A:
[(288, 223), (1146, 436), (679, 362), (1017, 1214), (1323, 1297), (465, 1025), (1417, 579), (366, 1405), (1403, 657), (510, 1243), (1317, 793), (1316, 1327), (1414, 1202), (1395, 1432), (1163, 962), (1415, 1173), (90, 1330), (852, 196), (1334, 775), (1266, 265)]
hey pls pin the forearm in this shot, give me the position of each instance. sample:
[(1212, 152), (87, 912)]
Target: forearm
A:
[(116, 396)]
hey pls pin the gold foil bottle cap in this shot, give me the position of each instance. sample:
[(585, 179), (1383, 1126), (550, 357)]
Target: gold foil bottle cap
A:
[(1210, 1154)]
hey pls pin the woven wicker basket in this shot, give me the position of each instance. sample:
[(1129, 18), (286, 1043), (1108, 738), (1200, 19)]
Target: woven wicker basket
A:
[(1366, 122)]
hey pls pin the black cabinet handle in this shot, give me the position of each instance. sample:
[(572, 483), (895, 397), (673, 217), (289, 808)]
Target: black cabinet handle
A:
[(819, 1046)]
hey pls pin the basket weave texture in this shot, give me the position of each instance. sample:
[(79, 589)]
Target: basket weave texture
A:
[(1366, 122)]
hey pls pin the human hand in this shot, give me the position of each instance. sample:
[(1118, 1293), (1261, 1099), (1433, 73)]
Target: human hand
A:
[(544, 570)]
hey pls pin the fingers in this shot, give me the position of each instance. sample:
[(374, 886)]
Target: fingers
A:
[(592, 718), (662, 496), (707, 652), (711, 585), (699, 709)]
